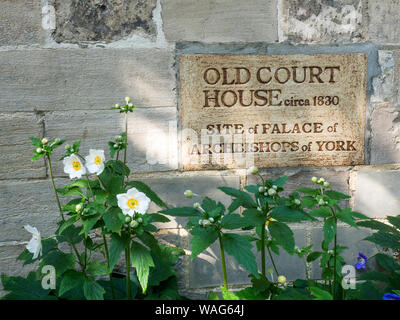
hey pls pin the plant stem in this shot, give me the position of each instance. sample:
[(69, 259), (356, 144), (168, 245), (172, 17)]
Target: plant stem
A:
[(263, 249), (273, 262), (334, 263), (108, 264), (223, 260), (128, 271), (62, 215), (126, 136)]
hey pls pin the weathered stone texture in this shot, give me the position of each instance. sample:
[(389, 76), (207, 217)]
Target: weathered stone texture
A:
[(220, 21), (377, 192), (322, 21), (16, 148), (102, 20), (205, 270), (351, 238), (151, 135), (171, 189), (20, 22), (71, 79), (384, 21), (28, 202)]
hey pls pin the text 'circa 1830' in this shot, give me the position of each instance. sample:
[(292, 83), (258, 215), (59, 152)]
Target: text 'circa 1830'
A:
[(272, 110)]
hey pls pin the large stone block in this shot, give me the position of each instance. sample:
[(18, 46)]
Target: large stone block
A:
[(152, 135), (78, 79), (351, 238), (28, 202), (104, 20), (377, 192), (384, 23), (20, 22), (206, 270), (171, 189), (220, 21), (16, 148), (322, 21)]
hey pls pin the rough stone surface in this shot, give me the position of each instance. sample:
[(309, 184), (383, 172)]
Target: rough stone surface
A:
[(20, 22), (102, 20), (386, 82), (28, 202), (205, 270), (377, 192), (171, 189), (322, 21), (16, 148), (71, 79), (219, 21), (152, 142), (351, 238), (384, 21)]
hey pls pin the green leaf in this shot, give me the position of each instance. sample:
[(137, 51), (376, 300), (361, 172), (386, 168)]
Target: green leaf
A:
[(385, 240), (71, 279), (346, 217), (309, 191), (226, 295), (370, 291), (181, 212), (283, 235), (20, 288), (236, 203), (286, 214), (245, 199), (294, 294), (376, 225), (155, 217), (117, 245), (97, 268), (329, 230), (320, 294), (387, 262), (212, 296), (92, 290), (66, 224), (394, 221), (142, 187), (313, 256), (336, 195), (59, 260), (75, 191), (112, 221), (280, 181), (323, 212), (36, 142), (234, 221), (142, 261), (88, 224), (256, 216), (202, 238), (209, 204), (239, 247), (374, 275)]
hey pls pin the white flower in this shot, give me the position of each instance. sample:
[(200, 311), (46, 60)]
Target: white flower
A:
[(271, 192), (133, 201), (95, 161), (73, 166), (35, 244)]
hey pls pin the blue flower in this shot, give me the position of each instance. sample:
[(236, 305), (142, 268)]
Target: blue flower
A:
[(390, 296), (361, 261)]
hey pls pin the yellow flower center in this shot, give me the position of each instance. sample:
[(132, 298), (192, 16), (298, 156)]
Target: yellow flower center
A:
[(132, 203), (268, 221), (76, 165), (97, 160)]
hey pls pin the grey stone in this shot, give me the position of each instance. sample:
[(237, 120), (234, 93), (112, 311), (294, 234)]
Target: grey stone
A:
[(171, 189), (16, 148), (20, 22), (385, 83), (206, 271), (10, 266), (377, 192), (77, 79), (384, 21), (151, 140), (351, 238), (220, 21), (102, 20), (28, 202), (322, 21)]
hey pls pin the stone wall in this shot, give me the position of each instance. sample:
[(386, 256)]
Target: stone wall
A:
[(61, 81)]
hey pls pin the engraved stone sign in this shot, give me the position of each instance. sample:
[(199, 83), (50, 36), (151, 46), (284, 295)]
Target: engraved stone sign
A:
[(272, 110)]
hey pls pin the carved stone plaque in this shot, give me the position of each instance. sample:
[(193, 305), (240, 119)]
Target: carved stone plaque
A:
[(272, 110)]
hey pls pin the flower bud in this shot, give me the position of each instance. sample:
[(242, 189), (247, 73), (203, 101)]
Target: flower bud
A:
[(321, 202), (314, 179), (45, 141), (275, 187), (321, 180), (115, 145), (206, 223), (134, 224), (211, 219), (271, 191), (261, 189), (200, 222), (259, 209), (327, 184), (282, 280), (130, 104), (270, 271), (118, 138), (253, 233), (127, 99), (196, 205), (78, 208), (39, 150), (297, 201), (188, 194), (128, 219), (67, 147), (140, 220), (253, 170)]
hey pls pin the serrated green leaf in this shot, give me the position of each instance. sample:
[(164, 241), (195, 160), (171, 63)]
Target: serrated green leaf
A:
[(346, 217), (385, 240), (336, 195), (112, 220), (21, 288), (92, 290), (245, 199), (181, 212), (117, 245), (226, 295), (376, 225), (394, 221), (314, 256), (320, 294), (309, 191), (141, 260), (256, 216), (71, 279), (97, 268), (286, 214), (323, 212), (283, 235), (280, 181), (387, 262), (202, 238), (235, 221), (329, 229), (59, 260)]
